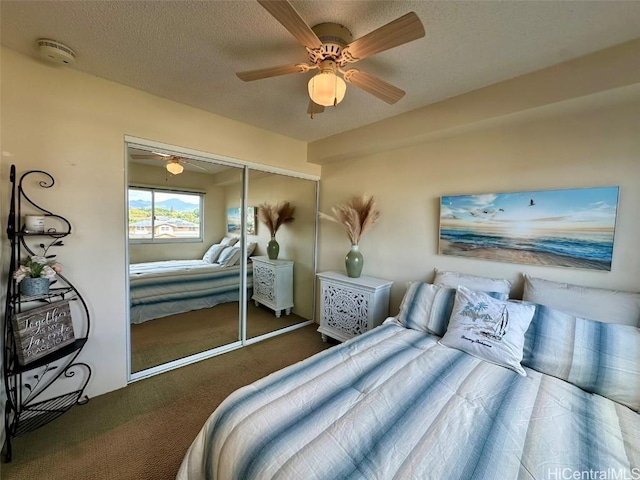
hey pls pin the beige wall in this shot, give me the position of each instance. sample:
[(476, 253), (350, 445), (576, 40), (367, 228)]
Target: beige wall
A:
[(73, 125), (587, 142), (602, 71), (571, 125)]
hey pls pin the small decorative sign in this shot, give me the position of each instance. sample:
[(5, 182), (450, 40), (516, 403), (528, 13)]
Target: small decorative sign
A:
[(43, 330)]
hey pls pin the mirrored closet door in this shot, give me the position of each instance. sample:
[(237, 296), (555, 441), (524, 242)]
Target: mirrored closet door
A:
[(187, 264), (184, 257), (282, 293)]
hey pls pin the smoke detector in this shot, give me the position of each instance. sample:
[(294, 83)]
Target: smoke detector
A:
[(56, 52)]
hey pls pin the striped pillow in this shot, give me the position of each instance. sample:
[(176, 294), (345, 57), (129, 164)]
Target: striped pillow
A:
[(229, 256), (598, 357), (213, 252), (611, 306), (426, 307)]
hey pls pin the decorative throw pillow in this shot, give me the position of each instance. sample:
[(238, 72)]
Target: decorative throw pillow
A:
[(611, 306), (472, 282), (229, 241), (490, 329), (229, 256), (214, 251), (427, 307), (598, 357), (251, 246)]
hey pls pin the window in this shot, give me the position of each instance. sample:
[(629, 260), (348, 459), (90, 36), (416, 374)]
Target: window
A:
[(164, 216)]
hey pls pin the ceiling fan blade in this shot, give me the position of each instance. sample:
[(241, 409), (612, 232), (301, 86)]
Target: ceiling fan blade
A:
[(373, 85), (398, 32), (314, 108), (150, 156), (252, 75), (284, 13), (182, 160)]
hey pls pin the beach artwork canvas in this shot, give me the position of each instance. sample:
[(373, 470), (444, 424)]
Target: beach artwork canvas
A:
[(565, 228), (234, 220)]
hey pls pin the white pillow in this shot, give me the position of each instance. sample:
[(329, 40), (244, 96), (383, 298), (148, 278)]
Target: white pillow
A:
[(472, 282), (229, 241), (251, 247), (492, 330), (214, 251), (229, 257), (610, 306)]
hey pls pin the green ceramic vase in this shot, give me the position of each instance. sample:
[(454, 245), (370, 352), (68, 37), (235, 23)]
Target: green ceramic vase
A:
[(354, 262), (273, 249)]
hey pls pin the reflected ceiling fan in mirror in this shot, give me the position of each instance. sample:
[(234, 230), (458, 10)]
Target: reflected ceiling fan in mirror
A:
[(331, 48), (173, 164)]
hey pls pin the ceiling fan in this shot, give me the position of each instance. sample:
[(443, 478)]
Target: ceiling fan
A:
[(331, 48), (173, 164)]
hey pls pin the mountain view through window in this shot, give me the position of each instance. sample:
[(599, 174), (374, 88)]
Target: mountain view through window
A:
[(164, 216)]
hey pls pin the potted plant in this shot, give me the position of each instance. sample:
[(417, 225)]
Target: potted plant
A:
[(356, 216), (35, 273), (274, 216)]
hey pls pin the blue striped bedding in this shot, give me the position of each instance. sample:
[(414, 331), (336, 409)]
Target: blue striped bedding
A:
[(394, 404), (159, 289)]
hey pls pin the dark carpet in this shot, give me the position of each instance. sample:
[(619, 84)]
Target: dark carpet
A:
[(142, 432)]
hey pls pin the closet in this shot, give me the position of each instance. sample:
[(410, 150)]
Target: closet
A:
[(226, 315)]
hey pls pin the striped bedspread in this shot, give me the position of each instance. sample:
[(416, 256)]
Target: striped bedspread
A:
[(393, 404), (159, 289)]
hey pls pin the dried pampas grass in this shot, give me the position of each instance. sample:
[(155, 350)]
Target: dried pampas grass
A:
[(357, 216), (274, 216)]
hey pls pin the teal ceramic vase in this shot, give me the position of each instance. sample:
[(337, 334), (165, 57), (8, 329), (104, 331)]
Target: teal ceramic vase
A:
[(354, 262), (34, 286), (273, 248)]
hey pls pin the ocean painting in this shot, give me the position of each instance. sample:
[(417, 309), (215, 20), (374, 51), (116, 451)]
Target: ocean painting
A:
[(564, 228), (234, 221)]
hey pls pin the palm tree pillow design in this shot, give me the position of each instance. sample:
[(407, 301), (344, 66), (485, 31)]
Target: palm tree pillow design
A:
[(489, 329)]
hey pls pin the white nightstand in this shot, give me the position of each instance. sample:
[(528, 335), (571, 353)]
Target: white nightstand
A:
[(351, 306), (273, 284)]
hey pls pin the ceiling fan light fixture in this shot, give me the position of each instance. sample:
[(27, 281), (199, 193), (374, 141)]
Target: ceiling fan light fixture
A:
[(326, 88), (174, 167)]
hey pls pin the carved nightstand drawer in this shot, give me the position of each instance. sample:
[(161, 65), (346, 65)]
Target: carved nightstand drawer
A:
[(351, 306), (273, 284)]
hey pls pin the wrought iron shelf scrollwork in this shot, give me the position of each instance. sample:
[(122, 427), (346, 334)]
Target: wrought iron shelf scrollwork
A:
[(30, 400)]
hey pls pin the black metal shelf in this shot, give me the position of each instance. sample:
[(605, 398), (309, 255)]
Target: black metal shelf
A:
[(52, 234), (39, 414), (28, 403), (55, 294), (50, 358)]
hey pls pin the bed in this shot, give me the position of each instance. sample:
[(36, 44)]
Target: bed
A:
[(399, 403), (160, 289)]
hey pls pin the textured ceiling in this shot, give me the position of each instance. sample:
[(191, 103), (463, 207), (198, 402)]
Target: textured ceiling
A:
[(189, 51)]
